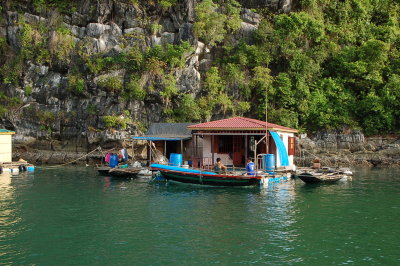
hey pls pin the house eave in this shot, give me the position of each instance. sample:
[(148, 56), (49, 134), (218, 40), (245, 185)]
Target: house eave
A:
[(246, 129)]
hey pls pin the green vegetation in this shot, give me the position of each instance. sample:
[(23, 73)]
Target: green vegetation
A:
[(155, 28), (92, 109), (212, 24), (325, 65), (66, 6), (33, 42), (165, 4), (140, 126), (134, 2), (113, 84), (116, 122), (11, 70), (76, 83), (333, 63), (45, 120), (155, 59), (134, 90), (61, 45), (8, 104), (28, 90)]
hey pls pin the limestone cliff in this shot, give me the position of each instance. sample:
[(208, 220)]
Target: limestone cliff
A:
[(79, 74), (348, 148), (61, 68)]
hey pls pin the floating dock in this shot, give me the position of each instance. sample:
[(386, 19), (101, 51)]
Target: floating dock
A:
[(16, 167)]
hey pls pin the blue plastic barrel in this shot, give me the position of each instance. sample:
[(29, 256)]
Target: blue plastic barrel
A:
[(30, 168), (250, 169), (113, 160), (175, 159), (269, 163)]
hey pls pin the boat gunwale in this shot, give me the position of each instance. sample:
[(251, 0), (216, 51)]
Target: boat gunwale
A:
[(311, 178), (208, 175)]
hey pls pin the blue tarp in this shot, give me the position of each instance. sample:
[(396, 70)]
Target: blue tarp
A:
[(160, 138), (181, 169), (283, 155)]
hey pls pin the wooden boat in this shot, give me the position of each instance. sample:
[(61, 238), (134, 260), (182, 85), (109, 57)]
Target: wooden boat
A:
[(194, 176), (103, 170), (315, 177), (124, 172), (119, 172)]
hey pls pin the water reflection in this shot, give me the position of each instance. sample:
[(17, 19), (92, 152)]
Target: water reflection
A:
[(265, 214), (111, 183), (9, 218), (79, 217)]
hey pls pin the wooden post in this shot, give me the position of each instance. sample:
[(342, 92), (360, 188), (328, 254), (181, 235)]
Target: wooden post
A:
[(182, 147), (246, 139), (255, 156), (195, 146), (193, 156), (266, 122), (133, 150), (150, 152), (212, 148)]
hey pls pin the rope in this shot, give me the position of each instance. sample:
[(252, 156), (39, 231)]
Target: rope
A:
[(60, 165)]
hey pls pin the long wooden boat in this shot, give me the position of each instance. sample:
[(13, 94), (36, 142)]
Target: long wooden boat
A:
[(315, 177), (194, 176), (124, 172), (103, 170), (119, 172)]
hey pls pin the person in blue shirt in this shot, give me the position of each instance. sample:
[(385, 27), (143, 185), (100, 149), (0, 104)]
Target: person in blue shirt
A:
[(250, 167)]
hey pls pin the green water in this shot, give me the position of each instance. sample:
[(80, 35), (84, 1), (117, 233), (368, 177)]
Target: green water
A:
[(72, 216)]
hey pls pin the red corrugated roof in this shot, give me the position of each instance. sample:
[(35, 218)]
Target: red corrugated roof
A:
[(239, 123)]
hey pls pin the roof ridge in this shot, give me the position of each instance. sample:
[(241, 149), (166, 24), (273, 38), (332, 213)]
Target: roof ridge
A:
[(252, 120), (262, 122), (239, 122)]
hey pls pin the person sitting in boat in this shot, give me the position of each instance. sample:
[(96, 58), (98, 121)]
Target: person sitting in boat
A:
[(219, 167), (250, 167)]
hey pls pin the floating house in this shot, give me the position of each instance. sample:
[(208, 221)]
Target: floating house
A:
[(167, 138), (238, 138), (6, 145)]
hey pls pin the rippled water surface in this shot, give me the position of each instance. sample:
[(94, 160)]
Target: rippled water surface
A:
[(73, 216)]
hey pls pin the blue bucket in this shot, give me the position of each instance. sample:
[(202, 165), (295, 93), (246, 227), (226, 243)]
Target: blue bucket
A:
[(175, 159), (269, 163), (113, 160)]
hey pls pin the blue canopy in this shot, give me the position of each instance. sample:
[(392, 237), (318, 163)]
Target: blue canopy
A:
[(161, 138), (283, 155)]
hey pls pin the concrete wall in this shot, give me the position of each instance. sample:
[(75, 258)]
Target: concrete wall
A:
[(5, 148)]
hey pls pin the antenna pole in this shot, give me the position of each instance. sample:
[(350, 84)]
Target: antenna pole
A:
[(266, 120)]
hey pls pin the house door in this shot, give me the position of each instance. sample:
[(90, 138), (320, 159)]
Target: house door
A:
[(171, 148), (237, 150)]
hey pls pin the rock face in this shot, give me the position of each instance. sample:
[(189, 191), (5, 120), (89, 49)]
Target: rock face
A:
[(53, 121), (55, 124), (275, 5), (344, 148)]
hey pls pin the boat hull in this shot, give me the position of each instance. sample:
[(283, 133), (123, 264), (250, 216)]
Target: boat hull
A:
[(313, 179), (209, 180), (118, 172), (103, 170), (124, 172)]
